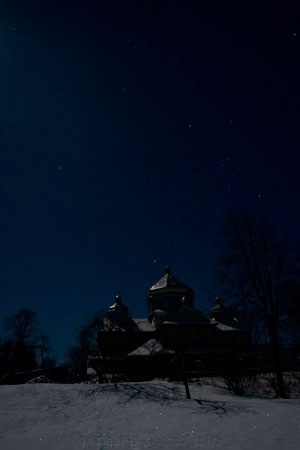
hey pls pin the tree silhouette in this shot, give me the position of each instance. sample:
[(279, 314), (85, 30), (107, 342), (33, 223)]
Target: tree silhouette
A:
[(21, 327), (253, 268), (86, 344), (25, 348)]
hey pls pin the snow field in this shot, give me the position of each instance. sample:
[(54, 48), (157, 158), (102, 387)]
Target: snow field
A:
[(148, 415)]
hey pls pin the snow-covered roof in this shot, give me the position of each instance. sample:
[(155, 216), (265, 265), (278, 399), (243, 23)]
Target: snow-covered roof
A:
[(187, 315), (143, 324), (223, 327), (151, 347), (160, 311), (171, 282)]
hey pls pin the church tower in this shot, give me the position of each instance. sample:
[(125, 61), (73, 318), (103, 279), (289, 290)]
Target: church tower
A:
[(166, 296)]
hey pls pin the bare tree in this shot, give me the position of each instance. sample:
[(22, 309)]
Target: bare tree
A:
[(29, 347), (22, 326), (43, 347), (86, 344), (290, 313), (252, 270)]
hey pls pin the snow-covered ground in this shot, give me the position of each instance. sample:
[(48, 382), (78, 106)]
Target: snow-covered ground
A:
[(147, 415)]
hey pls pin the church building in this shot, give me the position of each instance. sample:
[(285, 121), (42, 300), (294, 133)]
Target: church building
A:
[(174, 332)]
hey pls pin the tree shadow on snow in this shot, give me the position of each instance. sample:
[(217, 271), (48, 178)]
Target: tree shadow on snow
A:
[(163, 394), (127, 392), (219, 408)]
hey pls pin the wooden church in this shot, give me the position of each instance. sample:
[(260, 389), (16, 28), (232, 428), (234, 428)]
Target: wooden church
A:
[(174, 335)]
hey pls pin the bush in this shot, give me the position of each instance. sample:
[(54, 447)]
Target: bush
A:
[(238, 384)]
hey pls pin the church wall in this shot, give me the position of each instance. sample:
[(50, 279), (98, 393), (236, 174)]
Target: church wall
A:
[(187, 335)]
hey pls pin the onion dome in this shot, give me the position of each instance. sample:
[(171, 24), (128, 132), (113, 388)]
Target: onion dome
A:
[(118, 305), (218, 306), (117, 312), (224, 314)]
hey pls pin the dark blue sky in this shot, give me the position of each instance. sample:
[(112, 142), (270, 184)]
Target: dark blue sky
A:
[(127, 130)]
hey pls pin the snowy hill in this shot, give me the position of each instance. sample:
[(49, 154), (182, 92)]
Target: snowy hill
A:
[(147, 415)]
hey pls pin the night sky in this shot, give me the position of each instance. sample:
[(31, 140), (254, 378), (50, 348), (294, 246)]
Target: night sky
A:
[(128, 129)]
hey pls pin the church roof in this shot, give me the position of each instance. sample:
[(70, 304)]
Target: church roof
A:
[(219, 306), (187, 315), (118, 305), (224, 327), (168, 281), (151, 347), (143, 324)]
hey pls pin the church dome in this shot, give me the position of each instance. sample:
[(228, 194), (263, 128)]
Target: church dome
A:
[(118, 305), (169, 283), (117, 312), (167, 293), (224, 314), (218, 306)]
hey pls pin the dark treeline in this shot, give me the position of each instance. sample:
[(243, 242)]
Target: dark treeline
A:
[(25, 346)]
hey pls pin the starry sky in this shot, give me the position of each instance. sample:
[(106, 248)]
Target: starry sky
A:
[(128, 130)]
